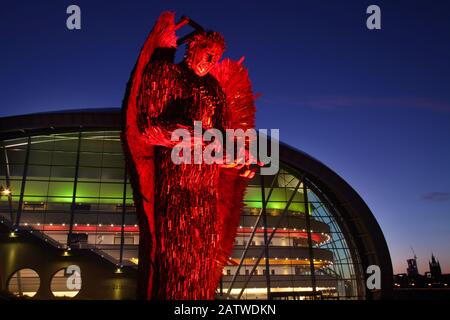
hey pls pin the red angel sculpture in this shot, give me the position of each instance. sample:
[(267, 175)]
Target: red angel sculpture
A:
[(188, 213)]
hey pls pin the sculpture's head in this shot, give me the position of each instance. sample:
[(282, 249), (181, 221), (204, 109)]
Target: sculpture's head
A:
[(203, 51)]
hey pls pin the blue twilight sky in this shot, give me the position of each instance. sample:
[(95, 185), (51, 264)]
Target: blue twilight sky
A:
[(372, 105)]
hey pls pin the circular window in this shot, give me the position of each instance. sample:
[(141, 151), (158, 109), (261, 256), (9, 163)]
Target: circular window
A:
[(24, 283), (66, 283)]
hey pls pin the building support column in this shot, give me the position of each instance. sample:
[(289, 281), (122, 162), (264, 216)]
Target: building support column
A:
[(24, 180), (266, 241), (74, 195), (124, 210), (8, 184), (310, 243)]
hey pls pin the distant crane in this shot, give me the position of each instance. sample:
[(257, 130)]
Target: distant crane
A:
[(412, 269), (412, 249)]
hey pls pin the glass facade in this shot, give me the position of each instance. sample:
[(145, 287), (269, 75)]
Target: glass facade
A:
[(73, 189)]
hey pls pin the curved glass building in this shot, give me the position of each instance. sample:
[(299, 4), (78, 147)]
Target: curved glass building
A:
[(66, 200)]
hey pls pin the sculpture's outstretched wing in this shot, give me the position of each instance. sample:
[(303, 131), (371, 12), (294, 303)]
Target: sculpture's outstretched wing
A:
[(240, 114), (161, 36), (139, 154), (234, 80)]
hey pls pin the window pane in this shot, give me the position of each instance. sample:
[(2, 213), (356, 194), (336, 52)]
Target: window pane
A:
[(110, 174), (64, 158), (38, 172), (61, 189), (66, 142), (90, 159), (113, 160), (89, 174), (40, 157), (36, 188), (59, 173), (111, 190), (88, 189)]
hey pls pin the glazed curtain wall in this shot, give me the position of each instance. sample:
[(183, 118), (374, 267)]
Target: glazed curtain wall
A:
[(73, 188)]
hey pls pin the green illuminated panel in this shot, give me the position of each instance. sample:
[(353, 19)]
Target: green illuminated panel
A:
[(278, 199), (60, 189)]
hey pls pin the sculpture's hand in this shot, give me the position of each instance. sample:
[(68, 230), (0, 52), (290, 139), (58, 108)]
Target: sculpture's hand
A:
[(247, 165)]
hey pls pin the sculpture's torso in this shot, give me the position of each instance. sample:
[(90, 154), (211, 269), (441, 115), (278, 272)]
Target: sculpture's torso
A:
[(186, 194)]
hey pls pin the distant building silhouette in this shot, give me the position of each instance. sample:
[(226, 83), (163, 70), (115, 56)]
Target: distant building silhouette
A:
[(435, 268), (433, 279), (412, 269)]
